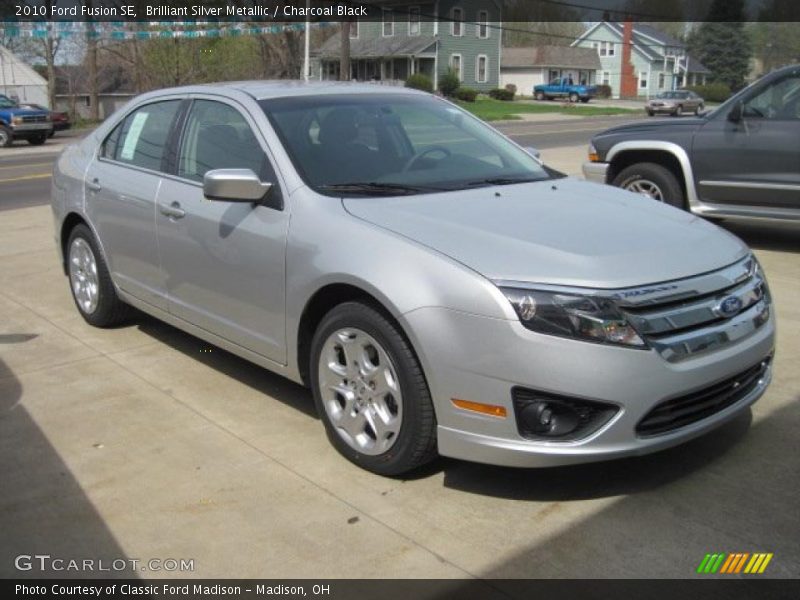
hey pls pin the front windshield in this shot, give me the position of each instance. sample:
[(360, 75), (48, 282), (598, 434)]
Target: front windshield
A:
[(7, 103), (344, 144)]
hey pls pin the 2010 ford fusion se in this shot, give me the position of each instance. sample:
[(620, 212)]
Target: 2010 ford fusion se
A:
[(439, 289)]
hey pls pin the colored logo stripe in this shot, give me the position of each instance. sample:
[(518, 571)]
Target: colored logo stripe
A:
[(735, 562)]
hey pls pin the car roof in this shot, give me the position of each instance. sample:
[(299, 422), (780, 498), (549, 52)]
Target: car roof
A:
[(263, 89)]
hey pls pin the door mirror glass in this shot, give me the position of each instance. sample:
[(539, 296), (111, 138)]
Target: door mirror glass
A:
[(737, 112), (234, 185)]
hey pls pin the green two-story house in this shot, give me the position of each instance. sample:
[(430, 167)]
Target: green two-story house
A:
[(421, 37)]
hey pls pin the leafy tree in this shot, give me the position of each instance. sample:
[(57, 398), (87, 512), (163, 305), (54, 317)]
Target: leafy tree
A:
[(722, 44)]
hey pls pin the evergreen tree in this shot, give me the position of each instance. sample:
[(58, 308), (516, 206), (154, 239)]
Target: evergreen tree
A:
[(722, 44)]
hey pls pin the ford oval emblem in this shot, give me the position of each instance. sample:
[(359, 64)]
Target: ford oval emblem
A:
[(729, 306)]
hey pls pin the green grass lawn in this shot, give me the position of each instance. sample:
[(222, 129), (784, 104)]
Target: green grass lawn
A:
[(489, 109)]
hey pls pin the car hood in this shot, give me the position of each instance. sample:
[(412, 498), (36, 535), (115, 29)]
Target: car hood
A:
[(25, 112), (563, 231), (658, 125)]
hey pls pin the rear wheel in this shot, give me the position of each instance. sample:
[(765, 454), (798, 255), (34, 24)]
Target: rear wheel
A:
[(584, 100), (38, 140), (370, 391), (6, 139), (651, 180), (678, 111), (90, 282), (700, 108), (650, 113), (573, 97)]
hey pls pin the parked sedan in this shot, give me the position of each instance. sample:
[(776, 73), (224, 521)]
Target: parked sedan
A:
[(436, 286), (675, 103), (60, 120)]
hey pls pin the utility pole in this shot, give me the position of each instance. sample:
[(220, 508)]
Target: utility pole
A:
[(307, 52)]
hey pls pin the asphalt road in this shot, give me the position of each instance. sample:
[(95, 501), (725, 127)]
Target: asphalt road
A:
[(552, 134)]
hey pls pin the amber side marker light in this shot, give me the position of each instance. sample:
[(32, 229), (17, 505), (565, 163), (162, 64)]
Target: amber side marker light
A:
[(594, 157), (485, 409)]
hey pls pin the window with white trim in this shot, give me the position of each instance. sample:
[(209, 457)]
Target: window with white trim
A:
[(662, 81), (354, 29), (642, 80), (607, 48), (482, 27), (606, 78), (456, 65), (413, 20), (457, 25), (482, 68), (388, 22)]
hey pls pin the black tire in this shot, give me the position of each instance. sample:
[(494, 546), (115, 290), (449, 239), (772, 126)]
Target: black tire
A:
[(655, 173), (584, 100), (110, 309), (539, 96), (700, 108), (678, 111), (650, 113), (6, 137), (51, 134), (573, 97), (37, 140), (415, 444)]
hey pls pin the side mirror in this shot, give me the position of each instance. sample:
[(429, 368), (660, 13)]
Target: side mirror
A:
[(737, 112), (234, 185), (534, 152)]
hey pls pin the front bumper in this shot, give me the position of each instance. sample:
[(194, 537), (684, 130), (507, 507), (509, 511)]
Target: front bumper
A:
[(595, 171), (28, 129), (481, 359)]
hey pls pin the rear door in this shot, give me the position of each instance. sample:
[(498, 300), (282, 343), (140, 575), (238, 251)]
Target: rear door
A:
[(122, 183), (756, 161), (224, 261)]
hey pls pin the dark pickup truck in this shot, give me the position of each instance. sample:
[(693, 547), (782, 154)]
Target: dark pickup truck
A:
[(741, 160), (18, 123)]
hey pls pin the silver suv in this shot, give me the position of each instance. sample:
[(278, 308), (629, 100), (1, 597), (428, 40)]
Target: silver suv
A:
[(438, 288)]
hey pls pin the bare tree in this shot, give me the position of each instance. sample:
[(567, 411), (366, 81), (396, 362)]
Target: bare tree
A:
[(91, 64), (344, 56)]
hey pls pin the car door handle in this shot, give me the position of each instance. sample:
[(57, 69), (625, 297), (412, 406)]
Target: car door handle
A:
[(173, 211), (94, 185)]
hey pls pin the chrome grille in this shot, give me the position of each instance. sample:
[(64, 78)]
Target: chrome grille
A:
[(700, 314), (34, 119)]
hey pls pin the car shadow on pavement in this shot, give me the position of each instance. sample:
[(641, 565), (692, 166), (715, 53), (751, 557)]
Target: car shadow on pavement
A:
[(717, 494), (258, 378), (602, 479), (772, 236), (43, 510)]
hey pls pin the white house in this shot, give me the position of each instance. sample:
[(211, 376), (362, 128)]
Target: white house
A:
[(529, 66), (19, 81)]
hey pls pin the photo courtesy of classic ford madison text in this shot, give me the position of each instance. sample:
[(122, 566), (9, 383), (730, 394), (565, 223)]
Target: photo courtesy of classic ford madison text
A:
[(434, 299)]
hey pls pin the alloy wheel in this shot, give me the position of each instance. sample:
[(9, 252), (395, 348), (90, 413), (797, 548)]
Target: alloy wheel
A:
[(647, 188), (83, 275)]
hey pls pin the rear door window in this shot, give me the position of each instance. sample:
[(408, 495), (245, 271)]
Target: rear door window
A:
[(143, 136)]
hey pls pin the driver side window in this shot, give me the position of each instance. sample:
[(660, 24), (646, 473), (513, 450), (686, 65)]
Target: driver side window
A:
[(780, 101)]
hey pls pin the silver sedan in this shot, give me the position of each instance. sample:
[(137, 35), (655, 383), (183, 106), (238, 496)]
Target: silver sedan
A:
[(437, 287), (675, 103)]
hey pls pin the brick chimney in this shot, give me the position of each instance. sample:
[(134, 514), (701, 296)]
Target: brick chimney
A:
[(629, 85)]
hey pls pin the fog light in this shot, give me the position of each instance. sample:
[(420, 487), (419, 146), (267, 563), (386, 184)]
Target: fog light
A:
[(546, 416), (549, 419)]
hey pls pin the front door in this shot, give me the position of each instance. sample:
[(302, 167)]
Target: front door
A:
[(224, 261), (755, 161)]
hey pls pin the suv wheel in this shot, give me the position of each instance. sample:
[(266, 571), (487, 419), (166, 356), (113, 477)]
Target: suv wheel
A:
[(90, 282), (652, 180), (370, 391), (6, 139)]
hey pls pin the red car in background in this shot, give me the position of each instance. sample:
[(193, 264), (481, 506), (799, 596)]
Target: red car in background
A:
[(60, 119)]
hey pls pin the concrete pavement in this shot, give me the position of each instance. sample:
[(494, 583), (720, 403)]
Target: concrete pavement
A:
[(144, 442)]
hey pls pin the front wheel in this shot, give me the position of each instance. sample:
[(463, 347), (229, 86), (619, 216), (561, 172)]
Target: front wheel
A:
[(90, 282), (6, 138), (573, 97), (370, 391), (651, 180), (678, 111), (700, 108), (539, 95)]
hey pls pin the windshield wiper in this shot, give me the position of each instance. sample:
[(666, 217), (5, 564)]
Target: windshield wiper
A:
[(375, 187), (502, 181)]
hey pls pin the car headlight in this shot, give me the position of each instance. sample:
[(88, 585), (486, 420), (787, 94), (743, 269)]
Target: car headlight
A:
[(587, 318), (16, 120)]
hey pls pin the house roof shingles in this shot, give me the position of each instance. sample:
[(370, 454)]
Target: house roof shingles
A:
[(645, 45), (378, 47), (550, 56)]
